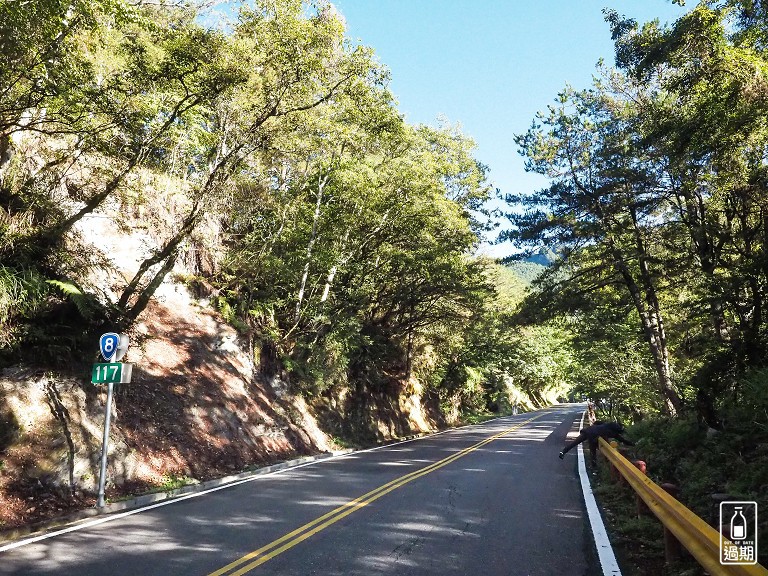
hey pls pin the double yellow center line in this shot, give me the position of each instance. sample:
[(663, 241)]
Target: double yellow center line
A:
[(276, 547)]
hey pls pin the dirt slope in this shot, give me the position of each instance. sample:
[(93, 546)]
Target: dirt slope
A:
[(194, 410)]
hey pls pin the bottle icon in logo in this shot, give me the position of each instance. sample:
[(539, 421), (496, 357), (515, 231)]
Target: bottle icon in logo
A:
[(738, 525)]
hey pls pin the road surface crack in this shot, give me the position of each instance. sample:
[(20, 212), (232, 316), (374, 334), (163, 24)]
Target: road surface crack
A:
[(406, 548)]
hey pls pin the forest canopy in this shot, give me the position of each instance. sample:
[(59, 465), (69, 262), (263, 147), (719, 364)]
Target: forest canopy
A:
[(267, 159), (657, 203)]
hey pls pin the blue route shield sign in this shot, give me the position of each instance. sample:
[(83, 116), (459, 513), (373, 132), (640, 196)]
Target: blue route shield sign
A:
[(108, 345)]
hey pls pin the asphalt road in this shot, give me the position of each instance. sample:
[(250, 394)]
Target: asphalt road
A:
[(491, 500)]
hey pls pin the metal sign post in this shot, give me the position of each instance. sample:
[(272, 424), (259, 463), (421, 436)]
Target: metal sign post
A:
[(104, 446), (113, 347)]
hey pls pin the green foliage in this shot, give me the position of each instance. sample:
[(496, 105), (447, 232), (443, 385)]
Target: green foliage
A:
[(353, 258), (345, 233), (22, 295), (83, 302), (702, 461), (480, 417), (172, 481), (657, 205), (540, 362), (526, 271), (611, 365), (748, 407), (663, 442), (230, 314)]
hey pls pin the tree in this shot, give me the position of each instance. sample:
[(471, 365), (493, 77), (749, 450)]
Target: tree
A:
[(602, 199), (286, 64), (705, 123), (106, 92), (366, 224)]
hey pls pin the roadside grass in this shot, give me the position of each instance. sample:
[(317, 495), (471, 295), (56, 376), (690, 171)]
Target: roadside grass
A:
[(480, 417), (175, 481), (168, 484), (638, 541), (339, 443), (718, 467)]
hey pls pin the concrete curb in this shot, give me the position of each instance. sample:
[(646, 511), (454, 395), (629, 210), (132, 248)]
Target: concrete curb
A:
[(11, 534)]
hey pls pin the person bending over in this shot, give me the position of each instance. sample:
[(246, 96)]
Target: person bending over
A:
[(592, 433)]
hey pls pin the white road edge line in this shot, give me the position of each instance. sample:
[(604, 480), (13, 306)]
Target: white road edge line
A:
[(604, 550), (117, 516)]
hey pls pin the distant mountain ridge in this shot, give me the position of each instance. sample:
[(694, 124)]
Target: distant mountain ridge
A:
[(530, 267), (543, 256)]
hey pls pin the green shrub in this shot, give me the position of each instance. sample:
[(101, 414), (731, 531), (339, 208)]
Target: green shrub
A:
[(733, 461), (662, 442)]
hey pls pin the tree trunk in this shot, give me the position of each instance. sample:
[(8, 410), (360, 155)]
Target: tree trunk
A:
[(328, 283), (149, 290), (653, 333), (411, 337), (656, 318), (692, 211), (322, 181), (6, 153), (332, 272), (168, 251)]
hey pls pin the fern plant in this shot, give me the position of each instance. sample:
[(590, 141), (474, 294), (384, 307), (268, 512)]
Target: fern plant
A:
[(84, 302), (21, 292)]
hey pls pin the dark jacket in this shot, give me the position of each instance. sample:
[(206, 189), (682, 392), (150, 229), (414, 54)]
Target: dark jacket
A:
[(606, 430)]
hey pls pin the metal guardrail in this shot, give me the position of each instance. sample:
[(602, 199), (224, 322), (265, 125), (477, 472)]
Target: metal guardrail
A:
[(693, 533)]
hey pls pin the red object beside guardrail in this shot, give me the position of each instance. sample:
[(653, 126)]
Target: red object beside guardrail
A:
[(693, 533)]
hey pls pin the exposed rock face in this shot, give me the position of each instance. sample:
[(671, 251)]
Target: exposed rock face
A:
[(193, 410), (197, 407)]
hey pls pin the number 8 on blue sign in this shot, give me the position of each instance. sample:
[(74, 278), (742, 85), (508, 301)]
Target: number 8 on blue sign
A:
[(108, 345)]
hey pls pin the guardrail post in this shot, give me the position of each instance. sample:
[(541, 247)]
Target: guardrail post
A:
[(672, 548), (642, 507), (615, 475), (671, 489), (624, 452)]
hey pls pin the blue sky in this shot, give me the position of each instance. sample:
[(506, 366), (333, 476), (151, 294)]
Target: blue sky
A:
[(490, 65)]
